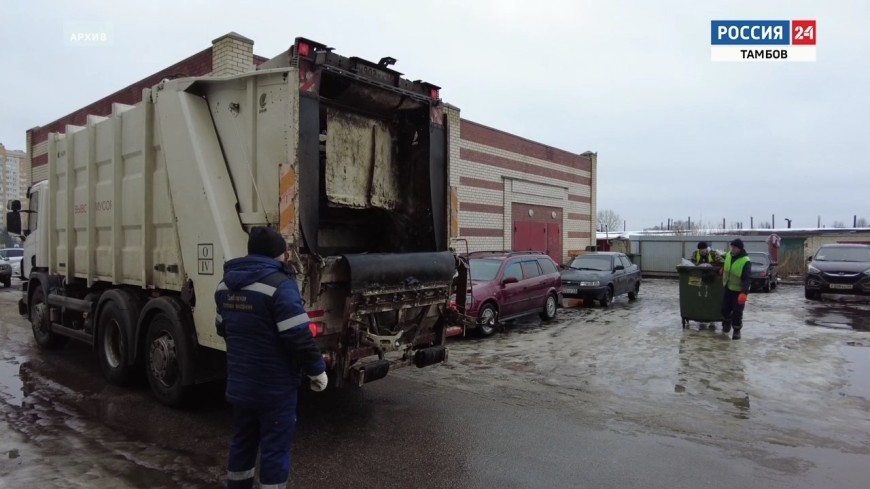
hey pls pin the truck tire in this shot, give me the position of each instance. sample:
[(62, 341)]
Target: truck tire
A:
[(113, 343), (163, 364), (41, 322)]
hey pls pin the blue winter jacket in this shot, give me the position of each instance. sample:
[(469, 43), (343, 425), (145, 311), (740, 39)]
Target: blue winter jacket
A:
[(269, 344)]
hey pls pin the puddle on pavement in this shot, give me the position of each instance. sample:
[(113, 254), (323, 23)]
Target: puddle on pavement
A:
[(11, 385), (838, 315), (858, 358)]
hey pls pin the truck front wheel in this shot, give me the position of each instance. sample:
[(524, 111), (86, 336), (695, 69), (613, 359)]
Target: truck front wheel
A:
[(40, 321), (163, 360)]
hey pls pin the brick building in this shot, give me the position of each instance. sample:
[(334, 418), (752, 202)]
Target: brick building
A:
[(506, 192)]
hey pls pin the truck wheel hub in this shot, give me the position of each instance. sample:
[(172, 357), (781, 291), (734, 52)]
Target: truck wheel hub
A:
[(164, 366)]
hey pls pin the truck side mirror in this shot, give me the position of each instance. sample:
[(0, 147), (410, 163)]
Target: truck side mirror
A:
[(13, 218)]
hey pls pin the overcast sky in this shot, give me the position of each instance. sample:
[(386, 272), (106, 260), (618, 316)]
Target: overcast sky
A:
[(677, 135)]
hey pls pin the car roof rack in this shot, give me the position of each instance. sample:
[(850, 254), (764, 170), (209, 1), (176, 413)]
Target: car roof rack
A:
[(506, 253)]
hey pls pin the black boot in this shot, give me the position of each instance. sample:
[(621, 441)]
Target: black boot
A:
[(736, 335), (726, 327)]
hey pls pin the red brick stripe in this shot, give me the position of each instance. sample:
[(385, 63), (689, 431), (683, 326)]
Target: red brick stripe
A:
[(580, 198), (486, 208), (39, 160), (480, 233), (578, 217), (507, 164), (478, 183), (474, 132), (578, 234)]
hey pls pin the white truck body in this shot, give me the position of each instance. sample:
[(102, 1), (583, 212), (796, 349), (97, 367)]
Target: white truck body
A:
[(142, 209)]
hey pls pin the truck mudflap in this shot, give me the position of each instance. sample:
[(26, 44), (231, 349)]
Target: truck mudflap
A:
[(397, 311)]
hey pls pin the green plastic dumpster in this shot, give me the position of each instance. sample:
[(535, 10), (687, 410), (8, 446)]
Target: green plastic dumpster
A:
[(700, 294)]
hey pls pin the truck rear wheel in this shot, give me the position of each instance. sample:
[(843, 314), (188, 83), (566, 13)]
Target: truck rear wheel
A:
[(164, 359), (40, 321), (113, 344)]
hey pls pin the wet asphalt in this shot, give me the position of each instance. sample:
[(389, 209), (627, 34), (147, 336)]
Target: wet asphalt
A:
[(618, 397)]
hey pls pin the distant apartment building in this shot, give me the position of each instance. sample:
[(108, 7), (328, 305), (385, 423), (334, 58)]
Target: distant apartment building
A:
[(15, 178)]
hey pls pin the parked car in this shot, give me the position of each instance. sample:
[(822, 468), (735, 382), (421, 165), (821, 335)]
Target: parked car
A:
[(838, 269), (14, 257), (5, 273), (764, 271), (510, 285), (601, 276)]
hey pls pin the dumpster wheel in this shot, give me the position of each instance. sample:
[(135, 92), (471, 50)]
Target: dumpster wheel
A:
[(685, 323)]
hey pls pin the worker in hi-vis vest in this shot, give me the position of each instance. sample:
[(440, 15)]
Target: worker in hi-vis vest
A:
[(704, 255), (737, 278)]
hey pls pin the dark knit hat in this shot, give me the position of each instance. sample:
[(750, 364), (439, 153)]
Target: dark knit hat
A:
[(266, 241), (738, 243), (702, 245)]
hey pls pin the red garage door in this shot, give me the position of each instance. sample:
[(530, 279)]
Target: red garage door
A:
[(538, 228)]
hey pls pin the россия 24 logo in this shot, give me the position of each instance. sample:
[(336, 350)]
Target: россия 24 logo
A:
[(763, 40)]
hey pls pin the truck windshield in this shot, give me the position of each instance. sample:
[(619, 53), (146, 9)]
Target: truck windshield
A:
[(484, 270)]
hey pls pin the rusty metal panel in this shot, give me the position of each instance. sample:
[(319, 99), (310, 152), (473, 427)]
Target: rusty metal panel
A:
[(361, 170)]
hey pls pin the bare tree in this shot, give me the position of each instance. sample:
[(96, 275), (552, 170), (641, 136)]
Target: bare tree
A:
[(610, 220), (838, 224), (862, 223)]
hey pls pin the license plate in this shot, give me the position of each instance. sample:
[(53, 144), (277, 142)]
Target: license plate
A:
[(569, 291), (841, 286)]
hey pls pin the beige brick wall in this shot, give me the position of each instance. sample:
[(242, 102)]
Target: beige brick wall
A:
[(520, 187), (232, 54)]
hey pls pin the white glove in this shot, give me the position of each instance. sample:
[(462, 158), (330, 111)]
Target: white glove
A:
[(318, 382)]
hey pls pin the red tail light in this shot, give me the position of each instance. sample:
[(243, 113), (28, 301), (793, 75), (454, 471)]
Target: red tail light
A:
[(303, 49), (313, 328)]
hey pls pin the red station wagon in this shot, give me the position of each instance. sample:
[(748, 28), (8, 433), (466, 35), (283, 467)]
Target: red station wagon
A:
[(510, 285)]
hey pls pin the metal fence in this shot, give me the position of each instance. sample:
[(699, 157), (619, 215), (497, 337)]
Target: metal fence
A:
[(660, 255)]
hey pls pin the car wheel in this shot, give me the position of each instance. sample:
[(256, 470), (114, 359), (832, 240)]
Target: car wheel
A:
[(812, 295), (607, 299), (549, 312), (633, 294), (7, 282), (487, 321), (766, 287)]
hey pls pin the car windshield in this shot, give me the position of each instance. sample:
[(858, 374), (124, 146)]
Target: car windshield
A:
[(759, 261), (484, 270), (856, 254), (599, 263), (13, 253)]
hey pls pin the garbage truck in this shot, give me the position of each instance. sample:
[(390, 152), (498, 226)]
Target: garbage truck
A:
[(125, 241)]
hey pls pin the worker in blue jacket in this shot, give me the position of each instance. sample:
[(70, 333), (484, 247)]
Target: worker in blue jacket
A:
[(269, 349)]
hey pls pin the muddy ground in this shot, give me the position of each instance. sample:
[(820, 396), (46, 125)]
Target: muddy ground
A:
[(617, 397)]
